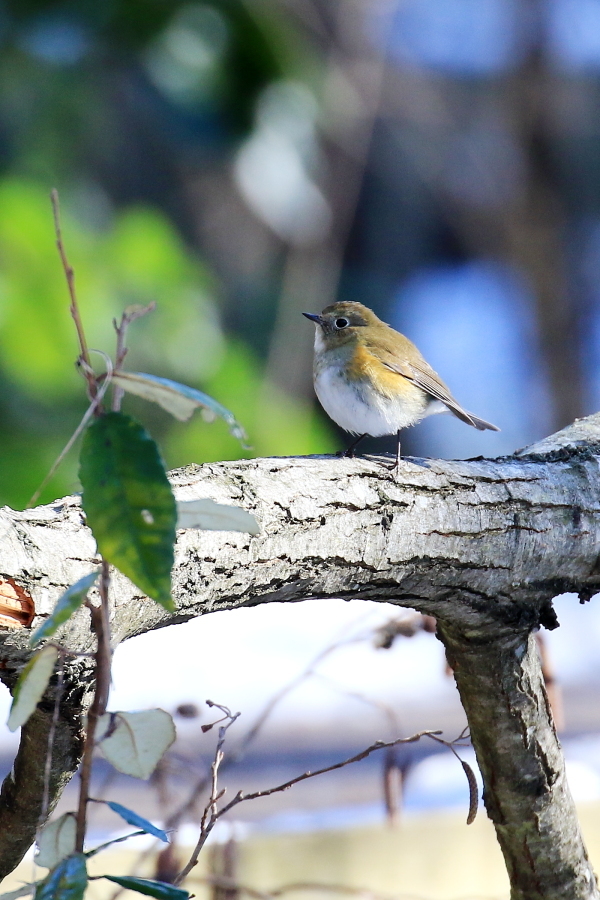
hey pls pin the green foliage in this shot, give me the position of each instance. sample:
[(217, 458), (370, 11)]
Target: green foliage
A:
[(135, 258), (157, 889), (67, 881), (276, 424), (129, 503), (67, 604)]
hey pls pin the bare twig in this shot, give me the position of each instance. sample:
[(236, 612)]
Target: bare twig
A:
[(208, 822), (175, 818), (74, 309), (100, 625), (90, 411), (130, 315), (385, 708), (211, 812)]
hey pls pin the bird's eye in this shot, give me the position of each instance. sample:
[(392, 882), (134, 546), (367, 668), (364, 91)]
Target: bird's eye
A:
[(341, 323)]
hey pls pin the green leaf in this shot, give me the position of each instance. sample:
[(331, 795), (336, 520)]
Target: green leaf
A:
[(158, 889), (57, 841), (178, 399), (211, 516), (133, 819), (134, 742), (67, 882), (31, 685), (66, 605), (129, 503)]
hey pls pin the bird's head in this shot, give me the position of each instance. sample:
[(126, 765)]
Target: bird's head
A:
[(344, 323)]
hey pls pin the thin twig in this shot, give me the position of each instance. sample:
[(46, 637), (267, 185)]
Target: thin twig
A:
[(175, 818), (74, 309), (211, 812), (100, 625), (119, 840), (209, 822), (90, 411), (130, 315), (387, 710)]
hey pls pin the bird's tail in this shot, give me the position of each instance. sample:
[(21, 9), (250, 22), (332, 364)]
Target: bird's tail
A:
[(481, 424)]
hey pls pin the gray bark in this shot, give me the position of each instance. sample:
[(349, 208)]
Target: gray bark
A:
[(483, 545)]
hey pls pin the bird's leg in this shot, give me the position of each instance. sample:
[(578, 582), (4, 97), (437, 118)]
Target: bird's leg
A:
[(349, 453), (396, 464)]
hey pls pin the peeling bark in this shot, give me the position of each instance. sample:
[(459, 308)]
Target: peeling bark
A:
[(483, 545)]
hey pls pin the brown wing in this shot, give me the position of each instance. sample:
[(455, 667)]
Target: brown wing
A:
[(423, 376)]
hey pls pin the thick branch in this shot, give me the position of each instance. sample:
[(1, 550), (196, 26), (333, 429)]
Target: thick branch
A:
[(483, 545), (483, 542), (22, 795), (526, 792)]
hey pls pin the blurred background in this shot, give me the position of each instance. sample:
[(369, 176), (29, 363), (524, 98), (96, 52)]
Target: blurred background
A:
[(242, 161)]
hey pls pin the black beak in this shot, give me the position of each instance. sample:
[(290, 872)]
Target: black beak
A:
[(314, 318)]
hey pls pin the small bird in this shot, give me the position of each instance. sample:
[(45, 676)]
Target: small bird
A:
[(371, 380)]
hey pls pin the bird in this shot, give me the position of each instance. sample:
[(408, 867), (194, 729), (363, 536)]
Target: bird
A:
[(372, 380)]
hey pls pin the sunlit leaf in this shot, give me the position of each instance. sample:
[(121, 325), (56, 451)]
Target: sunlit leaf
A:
[(56, 841), (67, 882), (134, 742), (31, 685), (133, 819), (66, 605), (178, 399), (158, 889), (129, 503), (211, 516)]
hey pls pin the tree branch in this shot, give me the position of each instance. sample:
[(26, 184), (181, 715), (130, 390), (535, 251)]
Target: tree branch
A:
[(483, 545), (31, 789)]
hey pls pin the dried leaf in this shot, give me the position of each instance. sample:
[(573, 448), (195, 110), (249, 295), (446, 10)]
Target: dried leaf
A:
[(56, 841), (31, 685), (16, 606), (211, 516), (473, 792), (134, 742)]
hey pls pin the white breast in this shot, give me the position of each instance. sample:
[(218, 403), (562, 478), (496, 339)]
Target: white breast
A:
[(361, 410)]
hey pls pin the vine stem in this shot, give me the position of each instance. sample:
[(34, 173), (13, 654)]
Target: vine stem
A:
[(101, 626)]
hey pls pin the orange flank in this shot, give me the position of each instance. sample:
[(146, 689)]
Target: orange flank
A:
[(364, 365)]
